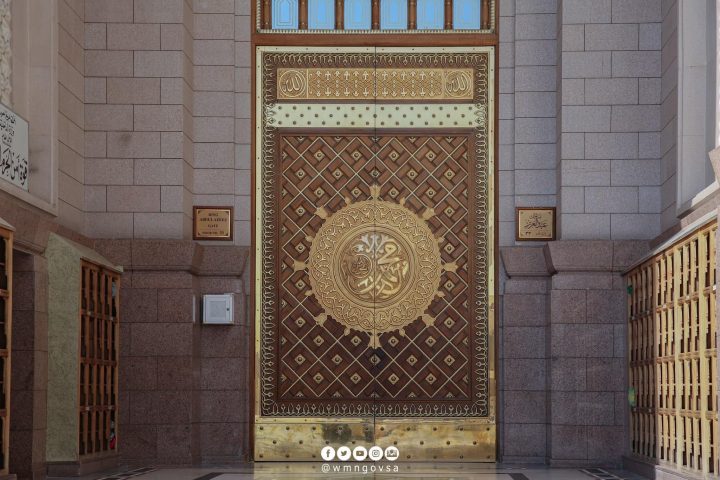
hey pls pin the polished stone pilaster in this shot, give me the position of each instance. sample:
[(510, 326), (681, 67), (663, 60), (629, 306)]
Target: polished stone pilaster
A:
[(563, 355)]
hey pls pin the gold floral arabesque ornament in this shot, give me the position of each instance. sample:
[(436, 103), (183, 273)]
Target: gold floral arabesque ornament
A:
[(374, 266)]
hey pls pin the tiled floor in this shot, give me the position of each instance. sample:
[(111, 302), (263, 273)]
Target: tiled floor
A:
[(312, 471)]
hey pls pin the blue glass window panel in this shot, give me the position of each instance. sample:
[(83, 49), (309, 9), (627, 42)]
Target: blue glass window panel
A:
[(466, 14), (430, 15), (321, 14), (357, 15), (284, 14), (393, 14)]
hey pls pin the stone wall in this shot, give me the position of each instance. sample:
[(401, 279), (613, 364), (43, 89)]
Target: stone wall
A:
[(168, 120), (28, 400), (669, 108), (610, 172), (563, 352), (527, 105), (70, 113), (184, 392)]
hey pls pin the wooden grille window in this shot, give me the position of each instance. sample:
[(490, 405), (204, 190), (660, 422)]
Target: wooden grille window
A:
[(6, 249), (375, 16), (99, 350), (673, 356)]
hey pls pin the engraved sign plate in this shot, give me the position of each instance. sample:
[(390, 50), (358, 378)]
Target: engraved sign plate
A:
[(535, 223), (14, 166), (212, 223)]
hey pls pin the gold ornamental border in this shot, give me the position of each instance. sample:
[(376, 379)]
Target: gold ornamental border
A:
[(482, 303), (375, 84)]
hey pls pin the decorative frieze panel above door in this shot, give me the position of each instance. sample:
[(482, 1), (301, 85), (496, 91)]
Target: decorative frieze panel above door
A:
[(374, 237)]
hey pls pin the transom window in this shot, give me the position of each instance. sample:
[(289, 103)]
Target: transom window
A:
[(375, 16)]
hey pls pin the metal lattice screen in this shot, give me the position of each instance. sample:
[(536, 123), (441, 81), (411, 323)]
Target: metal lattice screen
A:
[(673, 356), (99, 350)]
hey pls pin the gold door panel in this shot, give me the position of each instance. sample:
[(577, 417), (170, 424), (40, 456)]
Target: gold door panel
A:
[(374, 252)]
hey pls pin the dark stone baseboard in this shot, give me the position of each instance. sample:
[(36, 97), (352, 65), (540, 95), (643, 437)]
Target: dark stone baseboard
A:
[(82, 467)]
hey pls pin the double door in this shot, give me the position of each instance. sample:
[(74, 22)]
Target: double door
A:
[(374, 272)]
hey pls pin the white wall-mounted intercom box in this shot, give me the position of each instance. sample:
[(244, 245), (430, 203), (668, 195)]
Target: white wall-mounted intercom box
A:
[(218, 309)]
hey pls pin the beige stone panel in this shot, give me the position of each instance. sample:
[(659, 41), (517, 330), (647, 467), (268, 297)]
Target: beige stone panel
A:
[(95, 198), (242, 157), (216, 78), (213, 6), (95, 144), (70, 50), (172, 144), (243, 130), (214, 129), (71, 217), (71, 21), (71, 162), (95, 90), (214, 181), (132, 198), (243, 54), (213, 52), (70, 134), (109, 117), (108, 171), (159, 11), (172, 91), (242, 207), (109, 225), (70, 190), (159, 64), (77, 6), (158, 118), (95, 36), (103, 63), (172, 36), (242, 7), (70, 78), (242, 233), (243, 105), (109, 10), (123, 36), (242, 182), (159, 171), (217, 200), (214, 155), (133, 145), (70, 106), (243, 80), (133, 90), (213, 104), (172, 198), (214, 27), (158, 225), (243, 28)]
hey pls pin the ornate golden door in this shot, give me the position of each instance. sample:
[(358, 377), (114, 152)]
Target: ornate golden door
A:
[(374, 238)]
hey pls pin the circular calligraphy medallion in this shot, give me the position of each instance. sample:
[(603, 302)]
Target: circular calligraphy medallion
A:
[(374, 266), (291, 83)]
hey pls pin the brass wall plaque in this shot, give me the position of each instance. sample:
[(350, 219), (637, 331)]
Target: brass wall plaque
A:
[(212, 223), (535, 223)]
